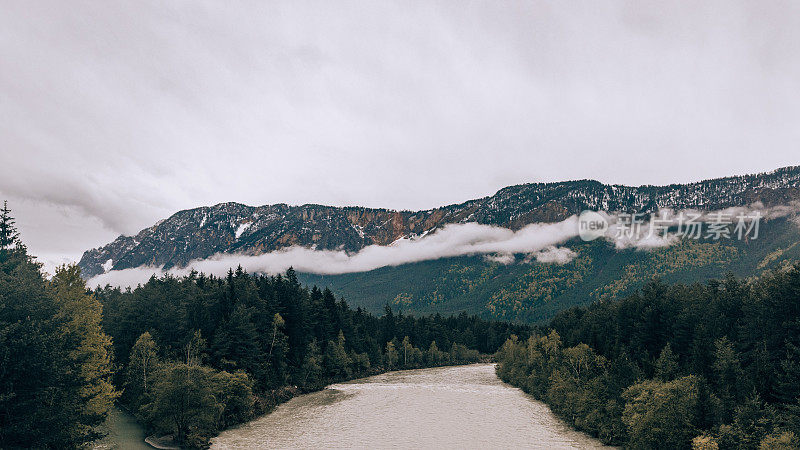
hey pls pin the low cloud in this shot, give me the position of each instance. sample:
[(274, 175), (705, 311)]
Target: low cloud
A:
[(554, 255), (452, 240), (501, 258), (540, 241)]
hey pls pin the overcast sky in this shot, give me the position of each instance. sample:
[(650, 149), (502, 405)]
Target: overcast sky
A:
[(114, 114)]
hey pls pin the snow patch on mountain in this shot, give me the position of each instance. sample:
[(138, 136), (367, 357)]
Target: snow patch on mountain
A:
[(242, 228)]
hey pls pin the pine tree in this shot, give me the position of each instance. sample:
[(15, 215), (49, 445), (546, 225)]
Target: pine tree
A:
[(89, 346), (667, 364), (727, 374), (35, 404), (337, 363), (8, 232), (234, 344), (788, 383)]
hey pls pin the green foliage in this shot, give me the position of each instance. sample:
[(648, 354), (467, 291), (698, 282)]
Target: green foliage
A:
[(390, 356), (312, 367), (573, 381), (727, 375), (708, 366), (192, 401), (141, 365), (434, 356), (687, 254), (785, 440), (661, 414), (337, 363), (89, 347), (55, 367), (8, 232), (195, 354), (667, 364), (541, 283)]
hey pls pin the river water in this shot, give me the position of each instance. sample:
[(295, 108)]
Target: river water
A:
[(445, 407)]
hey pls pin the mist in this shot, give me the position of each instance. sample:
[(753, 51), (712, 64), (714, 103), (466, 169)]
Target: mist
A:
[(451, 240)]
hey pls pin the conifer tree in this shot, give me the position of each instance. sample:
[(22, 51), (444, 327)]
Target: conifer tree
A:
[(337, 362), (667, 364), (89, 347), (8, 232)]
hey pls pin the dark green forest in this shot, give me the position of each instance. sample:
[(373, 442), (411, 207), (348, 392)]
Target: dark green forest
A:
[(191, 356), (673, 366)]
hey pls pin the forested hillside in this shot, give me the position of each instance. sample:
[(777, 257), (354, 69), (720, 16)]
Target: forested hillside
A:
[(713, 365), (526, 290)]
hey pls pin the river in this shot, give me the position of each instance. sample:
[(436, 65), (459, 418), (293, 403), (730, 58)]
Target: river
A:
[(122, 432), (445, 407)]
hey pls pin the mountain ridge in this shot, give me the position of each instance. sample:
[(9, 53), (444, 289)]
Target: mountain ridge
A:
[(232, 227)]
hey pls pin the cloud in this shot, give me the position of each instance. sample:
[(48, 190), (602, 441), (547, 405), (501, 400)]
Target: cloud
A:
[(124, 112), (501, 258), (555, 255)]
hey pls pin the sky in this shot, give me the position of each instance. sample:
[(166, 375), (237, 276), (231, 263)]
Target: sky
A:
[(115, 114)]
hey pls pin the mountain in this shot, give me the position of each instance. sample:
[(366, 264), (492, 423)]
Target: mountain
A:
[(526, 291), (236, 228)]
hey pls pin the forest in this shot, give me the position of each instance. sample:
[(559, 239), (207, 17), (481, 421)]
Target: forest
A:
[(193, 355), (702, 366)]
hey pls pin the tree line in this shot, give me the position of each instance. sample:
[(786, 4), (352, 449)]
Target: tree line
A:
[(714, 366), (192, 355)]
